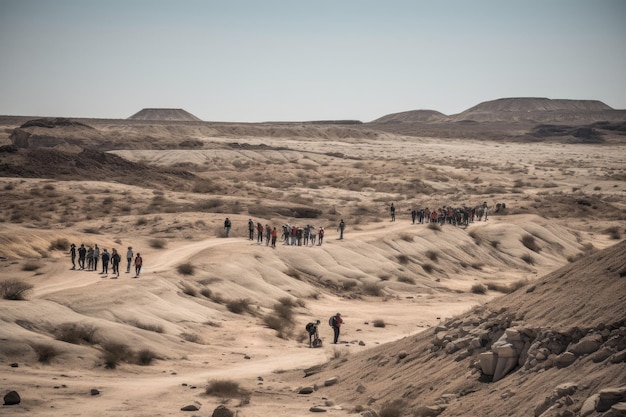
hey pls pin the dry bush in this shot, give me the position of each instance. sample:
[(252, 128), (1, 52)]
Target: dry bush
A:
[(428, 267), (432, 255), (406, 280), (157, 243), (142, 221), (378, 323), (514, 286), (239, 306), (294, 273), (527, 257), (76, 333), (145, 357), (190, 337), (477, 265), (494, 286), (223, 388), (373, 289), (185, 269), (60, 244), (614, 232), (189, 290), (434, 226), (284, 309), (349, 284), (475, 236), (205, 292), (402, 259), (31, 266), (479, 289), (14, 289), (407, 238), (114, 353), (530, 242), (45, 353), (157, 328)]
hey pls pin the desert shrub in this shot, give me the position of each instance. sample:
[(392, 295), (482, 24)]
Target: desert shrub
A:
[(14, 289), (432, 255), (495, 244), (530, 242), (189, 290), (185, 269), (378, 323), (145, 357), (349, 284), (402, 259), (59, 244), (407, 238), (406, 280), (284, 310), (294, 273), (142, 221), (190, 337), (31, 266), (494, 286), (45, 353), (75, 333), (222, 388), (157, 328), (614, 232), (91, 231), (479, 289), (475, 236), (157, 243), (114, 353), (274, 322), (428, 267), (477, 265), (434, 226), (527, 257), (372, 288), (517, 285), (395, 408), (205, 292), (239, 306)]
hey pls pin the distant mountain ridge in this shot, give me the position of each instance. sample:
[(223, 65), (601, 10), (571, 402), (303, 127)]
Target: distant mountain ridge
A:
[(164, 114)]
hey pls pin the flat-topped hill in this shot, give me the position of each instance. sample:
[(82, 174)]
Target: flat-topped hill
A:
[(163, 114)]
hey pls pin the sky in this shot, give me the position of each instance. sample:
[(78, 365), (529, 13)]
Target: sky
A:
[(295, 60)]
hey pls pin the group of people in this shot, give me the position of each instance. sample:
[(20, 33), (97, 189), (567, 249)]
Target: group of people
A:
[(89, 257), (313, 330), (291, 235), (456, 216)]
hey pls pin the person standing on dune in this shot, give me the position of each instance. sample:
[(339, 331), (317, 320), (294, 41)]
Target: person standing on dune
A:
[(129, 258), (115, 262), (138, 263), (73, 255)]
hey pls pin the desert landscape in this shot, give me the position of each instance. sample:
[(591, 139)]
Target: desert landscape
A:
[(517, 314)]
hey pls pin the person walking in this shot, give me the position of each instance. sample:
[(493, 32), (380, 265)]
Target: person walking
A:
[(227, 226), (341, 228), (115, 262), (138, 262), (251, 229), (82, 253), (73, 255), (96, 257), (336, 321), (274, 236), (106, 257), (320, 233), (392, 211), (129, 258)]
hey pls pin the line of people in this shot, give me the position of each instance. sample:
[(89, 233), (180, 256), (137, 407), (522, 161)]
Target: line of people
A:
[(89, 257)]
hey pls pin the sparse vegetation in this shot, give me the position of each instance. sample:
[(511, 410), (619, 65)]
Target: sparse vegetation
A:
[(60, 244), (434, 226), (14, 289), (238, 306), (614, 232), (378, 323), (189, 290), (157, 243), (530, 242), (113, 353), (223, 388), (479, 289), (406, 280), (527, 257), (157, 328), (76, 333), (185, 269), (402, 259), (145, 357), (428, 267), (372, 288), (31, 266), (45, 352), (432, 255)]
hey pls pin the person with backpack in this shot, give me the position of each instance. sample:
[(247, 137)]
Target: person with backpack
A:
[(82, 253), (138, 262), (314, 337), (227, 226), (335, 322), (129, 258), (115, 262), (106, 257), (341, 228)]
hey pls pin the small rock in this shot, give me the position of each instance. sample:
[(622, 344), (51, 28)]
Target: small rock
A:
[(331, 381), (12, 398), (190, 407), (403, 354), (14, 365), (317, 409), (222, 411), (247, 357), (565, 359), (94, 391), (306, 390), (361, 343)]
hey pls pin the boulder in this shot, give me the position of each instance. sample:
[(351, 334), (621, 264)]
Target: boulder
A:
[(503, 367), (589, 406), (586, 345), (190, 407), (12, 398), (429, 411), (331, 381), (601, 355), (306, 390), (222, 411), (488, 361), (94, 391), (565, 359), (609, 396)]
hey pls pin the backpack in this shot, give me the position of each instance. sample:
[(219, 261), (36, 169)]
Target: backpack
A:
[(310, 328), (332, 321)]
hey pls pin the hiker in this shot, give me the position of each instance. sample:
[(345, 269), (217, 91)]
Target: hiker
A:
[(341, 228), (274, 236), (89, 258), (227, 226), (413, 216), (259, 236), (313, 235), (251, 229), (312, 329), (73, 255), (138, 262), (82, 252), (321, 235), (392, 211), (485, 210), (268, 234), (115, 262), (335, 322), (96, 257), (105, 262), (129, 258)]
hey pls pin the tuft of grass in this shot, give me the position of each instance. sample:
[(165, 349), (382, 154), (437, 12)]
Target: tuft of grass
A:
[(479, 289), (432, 255), (530, 242), (407, 238), (157, 243), (189, 290), (239, 306), (76, 333), (406, 280), (114, 353), (527, 257), (402, 259), (614, 232), (31, 266), (45, 353), (373, 289), (185, 269), (14, 289), (434, 226), (474, 235), (59, 244), (223, 388), (428, 267), (145, 357), (142, 221), (157, 328), (378, 323), (205, 292)]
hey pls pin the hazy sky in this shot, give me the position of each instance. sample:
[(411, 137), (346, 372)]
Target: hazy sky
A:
[(265, 60)]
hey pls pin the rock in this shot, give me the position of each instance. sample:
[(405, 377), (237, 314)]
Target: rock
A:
[(586, 345), (403, 354), (565, 359), (369, 413), (610, 396), (316, 409), (12, 398), (331, 381), (488, 361), (567, 388), (361, 343), (14, 365), (601, 355), (306, 390), (619, 410), (222, 411), (190, 407), (429, 411), (94, 391), (619, 357), (589, 406)]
